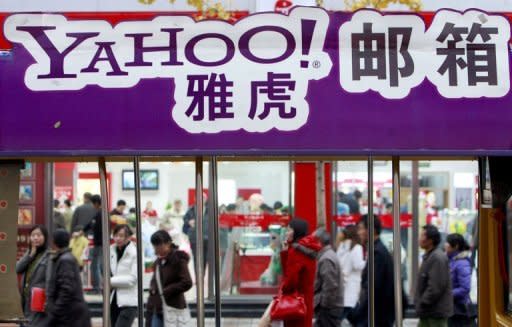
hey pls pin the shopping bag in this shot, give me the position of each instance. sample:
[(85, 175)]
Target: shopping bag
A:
[(175, 317), (38, 299)]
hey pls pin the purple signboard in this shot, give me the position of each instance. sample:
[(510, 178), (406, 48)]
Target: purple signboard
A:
[(312, 82)]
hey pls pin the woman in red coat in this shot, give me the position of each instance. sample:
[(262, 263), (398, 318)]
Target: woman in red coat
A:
[(299, 267)]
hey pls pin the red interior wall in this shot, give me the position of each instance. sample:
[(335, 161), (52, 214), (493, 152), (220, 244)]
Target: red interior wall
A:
[(305, 194), (328, 194), (305, 204)]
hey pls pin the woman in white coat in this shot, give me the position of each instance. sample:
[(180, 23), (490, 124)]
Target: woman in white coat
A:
[(350, 253), (123, 264)]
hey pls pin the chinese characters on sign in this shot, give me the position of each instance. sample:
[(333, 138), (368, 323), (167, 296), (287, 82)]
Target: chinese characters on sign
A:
[(375, 53), (468, 50), (459, 53), (254, 75)]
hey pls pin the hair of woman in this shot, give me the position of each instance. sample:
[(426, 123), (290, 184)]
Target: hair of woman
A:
[(351, 234), (458, 242), (127, 230), (300, 228), (160, 237)]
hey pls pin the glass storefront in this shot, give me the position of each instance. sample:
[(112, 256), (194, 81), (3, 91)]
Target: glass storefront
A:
[(256, 200)]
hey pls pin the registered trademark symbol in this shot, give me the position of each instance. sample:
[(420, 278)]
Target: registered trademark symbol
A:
[(316, 64)]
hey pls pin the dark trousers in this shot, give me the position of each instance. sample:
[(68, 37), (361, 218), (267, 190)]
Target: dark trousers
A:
[(328, 317), (121, 316), (461, 321), (345, 312), (96, 255), (205, 256)]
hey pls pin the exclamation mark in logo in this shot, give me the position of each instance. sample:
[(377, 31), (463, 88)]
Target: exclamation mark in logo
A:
[(308, 28)]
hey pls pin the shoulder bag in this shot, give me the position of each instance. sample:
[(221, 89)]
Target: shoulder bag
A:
[(173, 317)]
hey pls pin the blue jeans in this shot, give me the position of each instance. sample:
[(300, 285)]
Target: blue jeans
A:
[(96, 267), (157, 320)]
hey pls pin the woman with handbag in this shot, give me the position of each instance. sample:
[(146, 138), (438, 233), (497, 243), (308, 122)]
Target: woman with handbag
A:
[(33, 266), (298, 260), (166, 303), (457, 250)]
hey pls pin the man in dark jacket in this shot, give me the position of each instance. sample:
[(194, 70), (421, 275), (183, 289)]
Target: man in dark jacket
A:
[(352, 200), (189, 229), (84, 213), (96, 253), (328, 300), (384, 282), (65, 301), (119, 209), (433, 296)]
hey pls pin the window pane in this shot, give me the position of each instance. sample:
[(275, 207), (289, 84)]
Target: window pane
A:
[(254, 207)]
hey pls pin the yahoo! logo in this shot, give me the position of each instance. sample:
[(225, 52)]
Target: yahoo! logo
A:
[(104, 50), (253, 75), (72, 54)]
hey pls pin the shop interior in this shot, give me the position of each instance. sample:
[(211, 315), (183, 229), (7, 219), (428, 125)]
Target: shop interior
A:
[(254, 202)]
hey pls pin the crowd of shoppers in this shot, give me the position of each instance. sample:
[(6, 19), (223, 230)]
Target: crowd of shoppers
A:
[(335, 284), (328, 282)]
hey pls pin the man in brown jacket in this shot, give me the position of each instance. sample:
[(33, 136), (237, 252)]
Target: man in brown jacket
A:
[(433, 297)]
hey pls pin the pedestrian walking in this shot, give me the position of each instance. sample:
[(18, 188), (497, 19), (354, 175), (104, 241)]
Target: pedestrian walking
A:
[(33, 266), (383, 284), (96, 253), (166, 303), (459, 254), (433, 296), (328, 300), (351, 256), (85, 213), (298, 260), (123, 265), (190, 229), (65, 300)]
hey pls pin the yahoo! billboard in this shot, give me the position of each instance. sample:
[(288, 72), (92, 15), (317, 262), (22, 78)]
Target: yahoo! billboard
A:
[(307, 82)]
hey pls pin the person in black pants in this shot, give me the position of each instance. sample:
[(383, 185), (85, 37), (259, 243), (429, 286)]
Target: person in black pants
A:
[(96, 253), (65, 303), (384, 284), (189, 229)]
